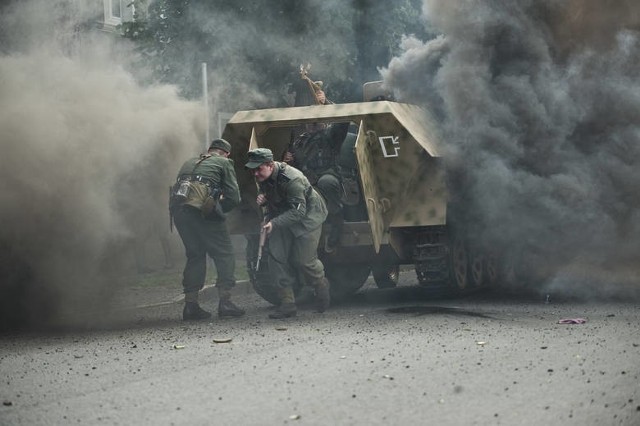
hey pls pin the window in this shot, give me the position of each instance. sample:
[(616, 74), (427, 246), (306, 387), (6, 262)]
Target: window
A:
[(116, 9), (113, 12)]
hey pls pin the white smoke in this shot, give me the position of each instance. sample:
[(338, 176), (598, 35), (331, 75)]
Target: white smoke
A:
[(87, 156)]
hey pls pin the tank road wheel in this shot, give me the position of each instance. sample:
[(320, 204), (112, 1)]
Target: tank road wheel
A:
[(492, 269), (477, 264), (386, 276), (346, 279), (459, 264)]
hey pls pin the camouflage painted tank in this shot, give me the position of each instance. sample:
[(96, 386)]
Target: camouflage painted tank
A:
[(396, 200)]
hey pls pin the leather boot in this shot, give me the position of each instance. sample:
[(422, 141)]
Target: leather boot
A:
[(285, 310), (323, 295), (226, 308), (193, 312)]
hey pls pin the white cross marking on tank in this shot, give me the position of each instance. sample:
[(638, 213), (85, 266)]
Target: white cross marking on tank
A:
[(393, 140)]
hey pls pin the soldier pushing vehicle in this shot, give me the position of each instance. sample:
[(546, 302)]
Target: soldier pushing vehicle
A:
[(205, 189)]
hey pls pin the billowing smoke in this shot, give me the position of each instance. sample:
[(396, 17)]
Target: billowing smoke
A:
[(540, 105), (87, 157), (253, 51), (539, 100), (89, 151)]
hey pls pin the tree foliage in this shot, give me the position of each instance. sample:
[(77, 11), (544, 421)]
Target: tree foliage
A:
[(254, 49)]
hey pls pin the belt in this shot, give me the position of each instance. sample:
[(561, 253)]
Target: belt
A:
[(197, 178), (202, 179)]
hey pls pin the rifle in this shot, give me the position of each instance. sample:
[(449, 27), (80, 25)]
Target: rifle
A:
[(263, 235), (263, 240)]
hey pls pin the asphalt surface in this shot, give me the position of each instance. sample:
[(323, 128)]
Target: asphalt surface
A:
[(400, 356)]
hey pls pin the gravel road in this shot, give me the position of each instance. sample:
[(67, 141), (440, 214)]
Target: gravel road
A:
[(400, 356)]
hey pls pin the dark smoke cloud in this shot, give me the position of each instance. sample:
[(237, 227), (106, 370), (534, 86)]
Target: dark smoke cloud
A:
[(87, 156), (540, 105), (315, 31)]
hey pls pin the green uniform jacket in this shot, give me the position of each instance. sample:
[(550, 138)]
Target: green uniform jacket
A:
[(220, 171), (292, 202)]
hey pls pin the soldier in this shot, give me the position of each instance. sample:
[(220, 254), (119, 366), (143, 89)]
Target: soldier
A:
[(207, 188), (315, 153), (295, 216)]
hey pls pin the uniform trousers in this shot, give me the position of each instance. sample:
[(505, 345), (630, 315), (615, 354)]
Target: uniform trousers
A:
[(331, 189), (201, 237), (291, 257)]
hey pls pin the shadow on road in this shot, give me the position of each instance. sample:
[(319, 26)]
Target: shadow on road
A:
[(420, 301), (427, 310), (374, 296)]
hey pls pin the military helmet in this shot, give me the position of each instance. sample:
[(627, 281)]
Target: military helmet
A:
[(220, 144)]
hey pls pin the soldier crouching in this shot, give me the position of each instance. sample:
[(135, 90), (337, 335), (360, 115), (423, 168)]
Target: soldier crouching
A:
[(295, 216)]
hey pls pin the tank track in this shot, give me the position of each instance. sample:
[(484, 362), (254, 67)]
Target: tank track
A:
[(430, 257)]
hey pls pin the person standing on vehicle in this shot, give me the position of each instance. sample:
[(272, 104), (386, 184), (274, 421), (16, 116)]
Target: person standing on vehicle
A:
[(205, 189), (295, 213)]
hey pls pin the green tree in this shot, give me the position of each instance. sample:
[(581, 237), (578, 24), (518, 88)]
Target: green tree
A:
[(254, 49)]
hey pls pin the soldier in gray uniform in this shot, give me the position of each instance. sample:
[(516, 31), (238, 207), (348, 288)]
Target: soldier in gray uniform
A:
[(205, 189), (315, 152), (295, 216)]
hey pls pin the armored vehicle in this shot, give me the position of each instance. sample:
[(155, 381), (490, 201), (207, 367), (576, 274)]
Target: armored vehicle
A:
[(396, 202)]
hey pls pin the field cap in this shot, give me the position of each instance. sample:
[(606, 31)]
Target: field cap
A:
[(258, 157), (220, 144)]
